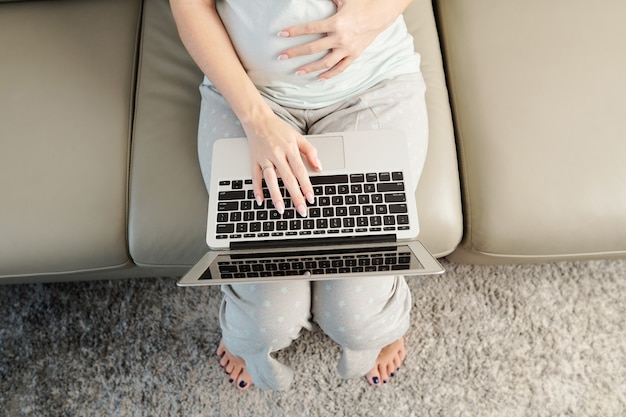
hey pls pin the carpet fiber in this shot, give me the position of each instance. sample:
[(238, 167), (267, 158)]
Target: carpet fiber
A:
[(540, 340)]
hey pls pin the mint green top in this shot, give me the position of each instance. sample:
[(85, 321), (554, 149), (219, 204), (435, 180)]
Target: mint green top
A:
[(253, 26)]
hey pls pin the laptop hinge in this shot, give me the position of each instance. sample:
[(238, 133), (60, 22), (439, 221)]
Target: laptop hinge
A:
[(309, 242)]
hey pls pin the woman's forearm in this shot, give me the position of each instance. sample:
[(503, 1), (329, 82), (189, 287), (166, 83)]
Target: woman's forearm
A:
[(273, 143), (205, 38)]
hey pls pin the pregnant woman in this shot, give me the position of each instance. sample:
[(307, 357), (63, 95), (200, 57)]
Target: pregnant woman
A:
[(276, 70)]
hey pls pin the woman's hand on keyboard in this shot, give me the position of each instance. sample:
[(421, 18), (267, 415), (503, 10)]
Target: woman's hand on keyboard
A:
[(276, 150)]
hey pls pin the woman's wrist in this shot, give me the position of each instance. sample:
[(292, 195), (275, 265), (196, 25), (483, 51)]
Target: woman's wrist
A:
[(254, 114)]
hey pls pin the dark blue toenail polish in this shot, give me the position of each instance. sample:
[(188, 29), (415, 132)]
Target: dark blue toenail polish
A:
[(231, 380), (375, 380), (384, 381), (392, 374), (243, 384)]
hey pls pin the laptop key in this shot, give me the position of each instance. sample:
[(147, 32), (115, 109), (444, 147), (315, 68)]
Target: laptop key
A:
[(225, 228), (357, 178), (329, 179), (228, 206), (228, 268), (231, 195), (386, 187), (395, 198), (295, 225), (402, 219), (398, 208)]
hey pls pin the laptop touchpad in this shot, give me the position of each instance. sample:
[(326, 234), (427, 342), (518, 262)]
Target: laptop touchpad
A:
[(330, 150)]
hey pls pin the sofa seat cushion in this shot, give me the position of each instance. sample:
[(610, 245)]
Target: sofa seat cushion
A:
[(168, 198), (66, 82), (538, 93)]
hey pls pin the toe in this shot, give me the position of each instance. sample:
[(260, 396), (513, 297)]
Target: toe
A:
[(373, 377), (243, 381), (391, 368), (242, 385), (384, 374), (221, 349)]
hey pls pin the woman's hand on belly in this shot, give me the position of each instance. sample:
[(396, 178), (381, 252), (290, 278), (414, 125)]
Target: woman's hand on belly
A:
[(276, 150), (348, 33)]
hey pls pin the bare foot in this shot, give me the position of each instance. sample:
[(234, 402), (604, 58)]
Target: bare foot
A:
[(388, 363), (235, 367)]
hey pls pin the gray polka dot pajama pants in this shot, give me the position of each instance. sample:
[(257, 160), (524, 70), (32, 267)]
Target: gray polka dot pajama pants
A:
[(362, 315)]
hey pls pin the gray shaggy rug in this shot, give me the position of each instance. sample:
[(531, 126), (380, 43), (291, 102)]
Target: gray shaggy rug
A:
[(537, 340)]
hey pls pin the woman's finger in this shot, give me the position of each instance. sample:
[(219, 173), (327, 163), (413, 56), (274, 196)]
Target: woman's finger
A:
[(271, 181)]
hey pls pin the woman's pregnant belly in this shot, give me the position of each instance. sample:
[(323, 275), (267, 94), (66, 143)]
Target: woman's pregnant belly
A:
[(253, 26)]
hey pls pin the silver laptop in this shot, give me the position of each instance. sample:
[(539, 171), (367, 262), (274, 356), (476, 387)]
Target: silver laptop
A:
[(363, 221)]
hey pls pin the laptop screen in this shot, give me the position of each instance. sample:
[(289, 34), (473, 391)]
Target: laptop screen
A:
[(321, 262)]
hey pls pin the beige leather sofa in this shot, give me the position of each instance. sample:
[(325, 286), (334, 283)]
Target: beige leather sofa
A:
[(98, 113)]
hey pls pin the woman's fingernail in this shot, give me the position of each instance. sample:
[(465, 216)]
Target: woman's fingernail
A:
[(318, 163), (301, 209), (280, 207), (258, 199), (283, 34), (300, 73), (310, 197), (282, 57)]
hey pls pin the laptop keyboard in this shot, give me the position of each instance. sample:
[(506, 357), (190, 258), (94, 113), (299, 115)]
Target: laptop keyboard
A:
[(365, 203)]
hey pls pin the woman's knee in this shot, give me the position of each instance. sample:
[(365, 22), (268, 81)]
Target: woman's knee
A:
[(264, 316), (362, 313)]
